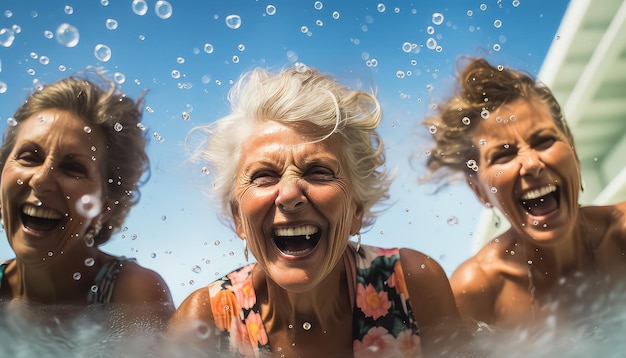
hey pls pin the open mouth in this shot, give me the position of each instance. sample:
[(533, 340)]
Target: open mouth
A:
[(39, 219), (541, 201), (296, 241)]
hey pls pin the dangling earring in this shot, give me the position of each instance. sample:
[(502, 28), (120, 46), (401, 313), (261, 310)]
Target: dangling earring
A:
[(495, 218), (91, 234), (245, 249), (358, 241)]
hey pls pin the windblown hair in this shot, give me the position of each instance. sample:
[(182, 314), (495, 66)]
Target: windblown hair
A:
[(481, 89), (117, 116), (300, 96)]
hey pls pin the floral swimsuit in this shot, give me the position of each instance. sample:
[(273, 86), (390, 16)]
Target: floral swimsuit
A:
[(383, 324)]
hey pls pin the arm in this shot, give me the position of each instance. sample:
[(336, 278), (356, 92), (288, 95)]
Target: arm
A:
[(474, 292), (145, 294), (433, 304)]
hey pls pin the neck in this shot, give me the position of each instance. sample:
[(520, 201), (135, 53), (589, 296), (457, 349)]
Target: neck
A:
[(62, 279), (321, 307)]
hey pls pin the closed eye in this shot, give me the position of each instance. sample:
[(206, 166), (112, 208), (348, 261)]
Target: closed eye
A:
[(265, 178), (74, 169), (319, 174), (503, 156), (29, 158), (544, 143)]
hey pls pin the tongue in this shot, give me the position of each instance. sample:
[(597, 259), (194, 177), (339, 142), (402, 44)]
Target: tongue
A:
[(541, 206), (39, 224), (295, 245)]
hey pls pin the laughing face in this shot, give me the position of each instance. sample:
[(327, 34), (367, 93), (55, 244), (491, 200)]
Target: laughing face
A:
[(528, 169), (294, 203), (51, 185)]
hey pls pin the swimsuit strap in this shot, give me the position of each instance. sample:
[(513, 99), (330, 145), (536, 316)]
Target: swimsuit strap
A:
[(102, 289)]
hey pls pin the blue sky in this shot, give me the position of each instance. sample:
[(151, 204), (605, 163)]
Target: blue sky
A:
[(189, 57)]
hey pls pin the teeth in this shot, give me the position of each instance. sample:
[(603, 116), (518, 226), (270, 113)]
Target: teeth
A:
[(305, 230), (40, 212), (537, 193)]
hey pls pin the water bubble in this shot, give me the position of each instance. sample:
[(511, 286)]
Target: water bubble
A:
[(482, 142), (400, 74), (104, 2), (153, 255), (437, 18), (185, 116), (196, 269), (175, 74), (304, 29), (76, 276), (180, 60), (306, 326), (8, 13), (430, 30), (319, 22), (102, 52), (119, 78), (483, 7), (68, 10), (3, 89), (318, 5), (67, 35), (470, 13), (431, 43), (233, 21), (62, 68), (270, 10), (381, 7), (208, 48), (407, 47), (48, 34), (94, 288), (118, 127), (163, 9), (497, 24), (89, 206), (496, 47), (494, 189), (484, 114), (163, 217), (89, 261), (515, 3), (87, 129), (205, 170), (111, 24), (235, 59), (30, 71), (216, 242), (33, 55), (466, 121), (453, 220), (44, 60), (432, 129), (139, 7)]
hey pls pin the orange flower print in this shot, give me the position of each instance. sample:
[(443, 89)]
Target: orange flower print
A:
[(399, 281), (256, 329), (373, 304), (225, 308), (377, 343)]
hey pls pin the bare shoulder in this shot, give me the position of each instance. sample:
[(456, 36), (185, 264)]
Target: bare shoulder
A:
[(197, 306), (136, 284)]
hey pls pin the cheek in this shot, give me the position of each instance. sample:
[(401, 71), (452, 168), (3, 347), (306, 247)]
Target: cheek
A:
[(254, 202)]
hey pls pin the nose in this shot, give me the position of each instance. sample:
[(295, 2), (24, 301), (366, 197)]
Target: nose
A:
[(43, 178), (290, 195), (531, 164)]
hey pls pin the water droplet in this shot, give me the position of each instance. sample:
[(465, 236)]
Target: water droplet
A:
[(89, 261), (196, 269), (484, 114), (431, 43), (175, 74), (438, 18), (94, 288), (497, 47), (118, 127), (208, 48), (235, 59), (185, 116), (3, 89), (67, 35), (483, 7), (111, 24), (102, 52), (453, 220), (163, 9), (217, 243), (68, 10), (20, 182), (381, 7), (76, 276), (44, 60), (270, 10), (400, 74), (104, 2), (119, 78), (139, 7), (233, 21), (48, 34), (432, 129), (306, 326), (50, 253), (494, 189), (336, 15), (62, 68), (466, 121), (497, 24), (89, 206), (8, 13)]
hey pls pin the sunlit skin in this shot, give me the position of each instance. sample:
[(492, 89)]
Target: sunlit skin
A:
[(54, 165), (525, 161), (288, 180)]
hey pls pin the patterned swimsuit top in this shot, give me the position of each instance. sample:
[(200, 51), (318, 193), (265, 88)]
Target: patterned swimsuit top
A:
[(102, 289), (383, 324)]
